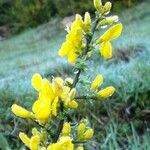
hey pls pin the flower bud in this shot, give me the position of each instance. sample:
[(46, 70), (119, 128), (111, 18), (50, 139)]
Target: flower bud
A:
[(34, 142), (106, 92), (88, 134), (81, 129), (108, 21), (98, 5), (107, 8), (25, 139), (21, 112), (87, 22), (69, 80), (35, 131), (73, 104), (66, 129), (97, 82), (72, 93)]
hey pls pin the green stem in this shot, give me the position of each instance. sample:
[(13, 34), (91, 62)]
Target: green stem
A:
[(60, 124), (88, 42), (76, 79)]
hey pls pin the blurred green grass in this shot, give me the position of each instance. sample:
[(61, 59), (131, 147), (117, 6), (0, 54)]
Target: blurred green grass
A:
[(36, 51)]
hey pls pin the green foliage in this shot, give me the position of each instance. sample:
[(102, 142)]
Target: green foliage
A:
[(30, 13), (3, 143)]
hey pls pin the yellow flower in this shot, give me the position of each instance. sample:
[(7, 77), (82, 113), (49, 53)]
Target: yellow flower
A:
[(66, 129), (21, 112), (106, 50), (97, 82), (74, 41), (112, 33), (106, 92), (98, 5), (88, 134)]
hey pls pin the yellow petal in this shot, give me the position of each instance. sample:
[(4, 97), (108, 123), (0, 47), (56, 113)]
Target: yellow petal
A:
[(24, 138), (66, 129), (106, 92), (47, 89), (106, 50), (42, 110), (37, 81), (97, 82), (72, 57), (112, 33), (54, 106), (21, 112), (64, 49), (34, 143)]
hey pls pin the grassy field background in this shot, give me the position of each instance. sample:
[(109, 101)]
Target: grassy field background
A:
[(125, 116)]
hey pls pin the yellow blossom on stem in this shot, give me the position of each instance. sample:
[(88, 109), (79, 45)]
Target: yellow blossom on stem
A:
[(106, 92)]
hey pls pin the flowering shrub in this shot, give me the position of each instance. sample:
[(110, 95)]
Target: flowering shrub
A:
[(57, 97)]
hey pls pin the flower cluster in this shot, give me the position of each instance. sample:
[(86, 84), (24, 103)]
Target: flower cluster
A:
[(57, 97), (50, 96), (74, 44), (38, 140)]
